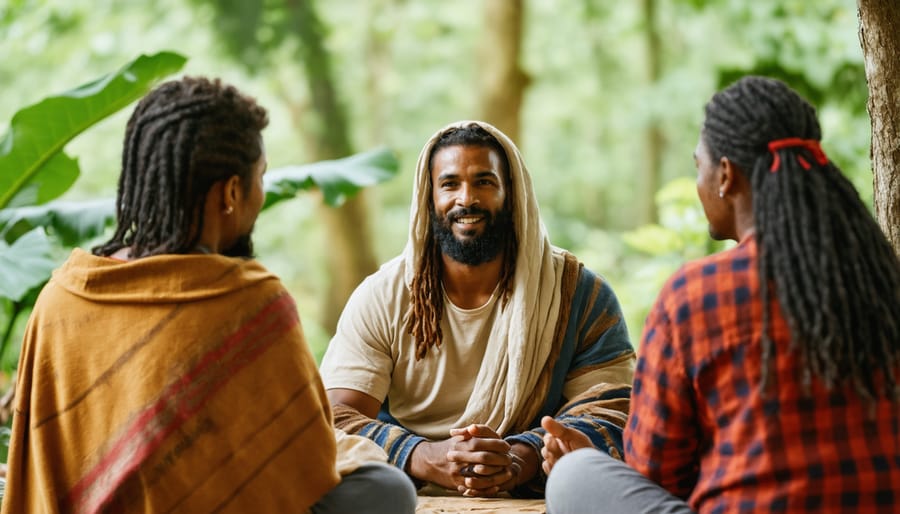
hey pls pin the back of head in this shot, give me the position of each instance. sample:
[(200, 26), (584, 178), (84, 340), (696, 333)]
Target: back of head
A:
[(836, 277), (182, 138)]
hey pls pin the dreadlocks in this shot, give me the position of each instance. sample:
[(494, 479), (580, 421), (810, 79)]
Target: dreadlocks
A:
[(426, 292), (182, 138), (836, 277)]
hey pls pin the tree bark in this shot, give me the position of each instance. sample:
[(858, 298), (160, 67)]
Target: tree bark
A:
[(378, 64), (350, 253), (879, 35), (502, 80), (653, 137)]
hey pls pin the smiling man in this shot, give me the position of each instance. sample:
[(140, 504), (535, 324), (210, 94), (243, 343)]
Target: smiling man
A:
[(449, 355)]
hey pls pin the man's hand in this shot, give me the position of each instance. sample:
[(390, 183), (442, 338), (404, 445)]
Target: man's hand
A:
[(474, 460), (522, 468), (560, 440)]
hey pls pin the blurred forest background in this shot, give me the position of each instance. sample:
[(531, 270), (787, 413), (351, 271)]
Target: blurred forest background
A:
[(605, 100)]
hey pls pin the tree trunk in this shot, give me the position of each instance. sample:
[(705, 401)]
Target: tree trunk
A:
[(653, 137), (378, 64), (503, 82), (879, 35), (349, 245)]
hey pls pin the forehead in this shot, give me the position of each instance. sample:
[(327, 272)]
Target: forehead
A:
[(458, 158)]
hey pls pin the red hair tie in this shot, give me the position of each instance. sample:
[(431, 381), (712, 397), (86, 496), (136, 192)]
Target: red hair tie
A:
[(791, 142)]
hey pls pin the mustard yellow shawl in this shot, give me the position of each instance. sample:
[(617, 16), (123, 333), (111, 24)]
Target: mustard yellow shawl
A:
[(167, 384)]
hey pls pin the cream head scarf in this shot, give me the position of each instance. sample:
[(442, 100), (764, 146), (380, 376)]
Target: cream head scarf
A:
[(522, 337)]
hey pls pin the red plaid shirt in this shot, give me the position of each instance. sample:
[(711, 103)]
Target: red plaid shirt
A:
[(701, 427)]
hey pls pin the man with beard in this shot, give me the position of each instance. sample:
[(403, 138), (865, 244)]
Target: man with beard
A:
[(167, 371), (448, 356)]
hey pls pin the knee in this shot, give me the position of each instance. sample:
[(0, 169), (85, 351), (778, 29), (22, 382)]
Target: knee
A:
[(391, 490), (574, 474)]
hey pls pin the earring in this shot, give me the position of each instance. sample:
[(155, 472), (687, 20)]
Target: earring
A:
[(721, 195), (229, 210)]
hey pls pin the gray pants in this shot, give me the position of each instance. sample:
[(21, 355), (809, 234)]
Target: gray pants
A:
[(588, 480), (374, 488)]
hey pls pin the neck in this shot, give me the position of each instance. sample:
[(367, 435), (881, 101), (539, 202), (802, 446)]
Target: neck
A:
[(468, 286), (743, 217)]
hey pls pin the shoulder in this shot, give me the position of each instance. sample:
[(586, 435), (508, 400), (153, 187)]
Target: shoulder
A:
[(586, 285), (378, 303), (698, 276), (387, 283)]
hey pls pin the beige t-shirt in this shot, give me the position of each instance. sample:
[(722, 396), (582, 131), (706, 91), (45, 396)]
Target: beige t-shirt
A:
[(372, 353)]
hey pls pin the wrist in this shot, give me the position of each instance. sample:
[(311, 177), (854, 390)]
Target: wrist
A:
[(417, 466), (527, 459)]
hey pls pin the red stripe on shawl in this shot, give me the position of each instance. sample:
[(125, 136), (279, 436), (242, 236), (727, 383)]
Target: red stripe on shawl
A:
[(178, 403)]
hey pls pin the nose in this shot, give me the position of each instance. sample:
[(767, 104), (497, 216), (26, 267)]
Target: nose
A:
[(467, 196)]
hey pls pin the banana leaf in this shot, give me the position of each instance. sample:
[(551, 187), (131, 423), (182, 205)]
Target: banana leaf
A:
[(25, 264), (34, 167), (71, 222), (338, 179)]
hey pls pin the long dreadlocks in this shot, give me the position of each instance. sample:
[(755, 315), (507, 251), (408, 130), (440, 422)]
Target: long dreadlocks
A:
[(426, 292), (836, 277), (182, 138)]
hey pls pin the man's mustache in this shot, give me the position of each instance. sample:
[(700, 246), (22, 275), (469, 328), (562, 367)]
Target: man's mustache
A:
[(462, 212)]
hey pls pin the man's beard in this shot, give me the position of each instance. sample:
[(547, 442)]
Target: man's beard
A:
[(478, 249), (243, 247)]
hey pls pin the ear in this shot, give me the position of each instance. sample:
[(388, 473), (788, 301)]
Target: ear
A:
[(727, 175), (232, 193)]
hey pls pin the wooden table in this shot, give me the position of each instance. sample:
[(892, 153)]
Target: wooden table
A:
[(434, 501)]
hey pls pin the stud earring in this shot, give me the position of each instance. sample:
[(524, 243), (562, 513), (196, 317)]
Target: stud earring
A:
[(229, 210), (721, 194)]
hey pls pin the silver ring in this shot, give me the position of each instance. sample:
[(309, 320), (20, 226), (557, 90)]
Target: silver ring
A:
[(468, 470)]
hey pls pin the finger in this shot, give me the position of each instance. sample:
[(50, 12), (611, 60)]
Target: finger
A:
[(555, 446), (486, 470), (553, 427), (480, 483), (547, 465), (485, 431), (501, 459), (467, 491), (461, 432), (547, 453), (561, 446), (486, 493)]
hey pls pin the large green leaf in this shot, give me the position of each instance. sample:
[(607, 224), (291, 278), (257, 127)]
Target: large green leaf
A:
[(30, 150), (56, 176), (338, 179), (25, 265), (72, 222)]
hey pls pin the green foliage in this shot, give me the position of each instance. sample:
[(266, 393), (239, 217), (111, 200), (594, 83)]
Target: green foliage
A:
[(32, 147), (681, 232), (70, 222), (25, 264), (338, 179)]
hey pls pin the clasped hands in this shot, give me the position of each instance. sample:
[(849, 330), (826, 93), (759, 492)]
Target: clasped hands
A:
[(475, 461)]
